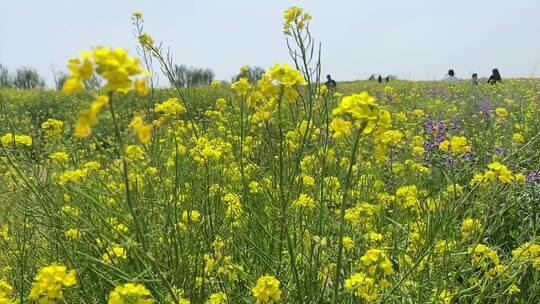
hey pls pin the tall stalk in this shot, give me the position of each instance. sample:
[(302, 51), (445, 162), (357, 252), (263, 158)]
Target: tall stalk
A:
[(345, 197), (130, 202)]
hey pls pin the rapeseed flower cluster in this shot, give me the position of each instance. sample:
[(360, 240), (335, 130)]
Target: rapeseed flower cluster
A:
[(114, 65), (130, 293), (497, 171), (89, 118), (456, 144), (52, 127), (297, 17), (218, 298), (142, 130), (360, 112), (471, 228), (49, 282), (6, 293), (369, 283), (9, 138), (528, 253), (267, 290)]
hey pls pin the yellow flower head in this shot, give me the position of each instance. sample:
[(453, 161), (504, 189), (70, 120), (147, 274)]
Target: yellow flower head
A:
[(170, 107), (218, 298), (130, 293), (142, 130), (52, 127), (146, 41), (73, 233), (114, 254), (375, 259), (242, 86), (363, 112), (6, 292), (134, 152), (471, 228), (89, 118), (295, 16), (114, 65), (48, 283), (304, 201), (286, 75), (502, 113), (9, 138), (267, 290)]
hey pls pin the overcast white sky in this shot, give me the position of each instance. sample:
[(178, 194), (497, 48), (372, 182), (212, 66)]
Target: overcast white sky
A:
[(414, 38)]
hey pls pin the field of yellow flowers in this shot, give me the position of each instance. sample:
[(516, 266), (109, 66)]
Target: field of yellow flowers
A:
[(279, 191)]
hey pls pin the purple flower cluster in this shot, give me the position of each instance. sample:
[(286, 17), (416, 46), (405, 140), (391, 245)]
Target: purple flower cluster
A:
[(438, 130), (499, 150), (485, 108), (438, 92), (434, 127), (531, 176), (455, 126), (449, 161)]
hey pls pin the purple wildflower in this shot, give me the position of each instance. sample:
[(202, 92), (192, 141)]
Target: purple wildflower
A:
[(485, 108), (531, 176)]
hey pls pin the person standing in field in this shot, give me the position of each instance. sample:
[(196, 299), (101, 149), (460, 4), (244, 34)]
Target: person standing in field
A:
[(474, 79), (450, 76), (330, 83), (495, 77), (379, 79)]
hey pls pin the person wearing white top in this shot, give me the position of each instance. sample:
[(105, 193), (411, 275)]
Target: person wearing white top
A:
[(451, 77)]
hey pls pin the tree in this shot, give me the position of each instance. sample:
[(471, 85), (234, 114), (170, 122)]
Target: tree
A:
[(253, 74), (5, 78), (60, 78), (190, 77), (27, 78), (92, 83)]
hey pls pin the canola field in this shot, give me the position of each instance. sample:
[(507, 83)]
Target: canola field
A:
[(275, 191)]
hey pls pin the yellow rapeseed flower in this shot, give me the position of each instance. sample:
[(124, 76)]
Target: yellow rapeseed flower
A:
[(218, 298), (267, 290), (304, 201), (142, 130), (130, 293), (6, 292), (48, 283)]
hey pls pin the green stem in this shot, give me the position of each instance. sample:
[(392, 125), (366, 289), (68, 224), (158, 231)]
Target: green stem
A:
[(342, 216), (138, 227)]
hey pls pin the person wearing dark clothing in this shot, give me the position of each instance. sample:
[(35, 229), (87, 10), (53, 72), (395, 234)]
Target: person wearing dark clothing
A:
[(387, 79), (474, 79), (330, 83), (450, 77), (495, 77), (379, 79)]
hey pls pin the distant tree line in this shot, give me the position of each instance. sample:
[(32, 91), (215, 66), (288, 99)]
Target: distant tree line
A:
[(192, 77), (60, 78), (253, 74), (23, 78), (183, 76)]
